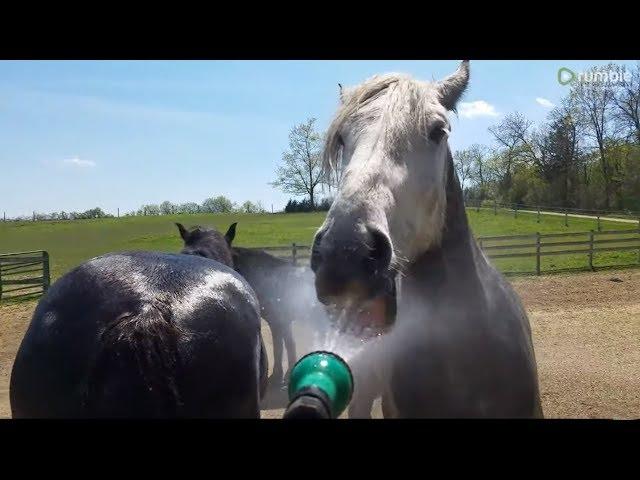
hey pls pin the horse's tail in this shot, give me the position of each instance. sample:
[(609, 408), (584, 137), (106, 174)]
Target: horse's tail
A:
[(133, 374)]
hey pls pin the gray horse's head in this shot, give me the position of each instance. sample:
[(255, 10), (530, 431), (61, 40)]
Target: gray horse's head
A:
[(390, 139)]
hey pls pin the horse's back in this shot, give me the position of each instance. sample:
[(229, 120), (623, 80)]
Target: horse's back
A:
[(141, 334)]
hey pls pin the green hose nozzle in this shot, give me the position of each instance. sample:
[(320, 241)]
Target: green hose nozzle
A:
[(320, 386)]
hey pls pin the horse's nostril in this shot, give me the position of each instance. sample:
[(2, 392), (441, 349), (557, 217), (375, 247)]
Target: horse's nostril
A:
[(381, 250)]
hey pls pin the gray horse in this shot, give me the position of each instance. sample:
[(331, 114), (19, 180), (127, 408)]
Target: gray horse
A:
[(396, 244)]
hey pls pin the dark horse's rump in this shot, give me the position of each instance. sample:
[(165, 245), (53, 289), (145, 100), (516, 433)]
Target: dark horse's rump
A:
[(275, 281), (149, 341), (141, 334)]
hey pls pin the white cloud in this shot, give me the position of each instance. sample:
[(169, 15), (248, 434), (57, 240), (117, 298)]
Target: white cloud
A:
[(544, 102), (479, 108), (77, 162)]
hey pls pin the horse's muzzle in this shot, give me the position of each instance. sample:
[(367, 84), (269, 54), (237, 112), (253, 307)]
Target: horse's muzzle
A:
[(354, 277)]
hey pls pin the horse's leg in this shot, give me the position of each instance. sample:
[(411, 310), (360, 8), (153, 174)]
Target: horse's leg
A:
[(290, 345), (361, 405), (264, 369), (365, 393), (278, 344), (388, 408)]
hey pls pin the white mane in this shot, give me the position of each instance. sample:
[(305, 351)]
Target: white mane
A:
[(409, 107)]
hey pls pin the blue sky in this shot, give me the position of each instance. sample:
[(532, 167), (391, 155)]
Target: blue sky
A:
[(80, 134)]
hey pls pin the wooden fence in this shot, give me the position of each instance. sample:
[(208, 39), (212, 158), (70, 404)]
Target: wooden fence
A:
[(295, 253), (23, 274), (537, 246), (534, 246), (27, 273)]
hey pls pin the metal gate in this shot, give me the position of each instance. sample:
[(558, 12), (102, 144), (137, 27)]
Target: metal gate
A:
[(23, 274)]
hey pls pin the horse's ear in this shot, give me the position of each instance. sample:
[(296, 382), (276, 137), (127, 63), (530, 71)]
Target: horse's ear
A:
[(452, 87), (184, 233), (231, 233), (340, 91)]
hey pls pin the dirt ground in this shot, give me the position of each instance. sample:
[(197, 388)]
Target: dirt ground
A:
[(586, 331)]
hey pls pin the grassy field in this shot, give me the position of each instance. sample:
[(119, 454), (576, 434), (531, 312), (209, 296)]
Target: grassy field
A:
[(70, 243)]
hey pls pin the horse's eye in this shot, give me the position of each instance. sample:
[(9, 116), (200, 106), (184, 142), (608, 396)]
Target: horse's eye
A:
[(438, 133)]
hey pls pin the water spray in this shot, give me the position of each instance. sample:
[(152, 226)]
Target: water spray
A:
[(320, 386)]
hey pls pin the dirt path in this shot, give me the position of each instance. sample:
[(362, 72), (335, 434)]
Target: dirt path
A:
[(14, 320), (586, 331)]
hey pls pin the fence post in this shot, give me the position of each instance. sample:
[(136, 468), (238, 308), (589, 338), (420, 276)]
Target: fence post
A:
[(515, 211), (538, 220), (537, 253), (46, 276), (495, 207), (294, 252), (478, 206), (591, 250), (599, 227), (566, 218)]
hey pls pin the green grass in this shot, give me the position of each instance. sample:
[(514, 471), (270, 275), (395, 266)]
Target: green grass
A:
[(72, 242), (69, 243)]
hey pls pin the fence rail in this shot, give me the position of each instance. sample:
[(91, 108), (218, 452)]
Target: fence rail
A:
[(17, 272), (592, 243), (535, 246), (19, 278)]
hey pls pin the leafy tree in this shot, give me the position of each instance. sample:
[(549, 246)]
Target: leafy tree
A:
[(167, 208), (219, 204)]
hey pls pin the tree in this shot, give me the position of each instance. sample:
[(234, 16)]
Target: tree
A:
[(151, 209), (563, 152), (509, 134), (167, 208), (189, 207), (627, 103), (478, 172), (592, 101), (292, 206), (463, 165), (219, 204), (325, 204), (249, 207), (301, 170), (259, 207)]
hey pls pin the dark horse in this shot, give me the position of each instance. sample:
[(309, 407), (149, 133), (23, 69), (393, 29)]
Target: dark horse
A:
[(142, 334), (285, 292)]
